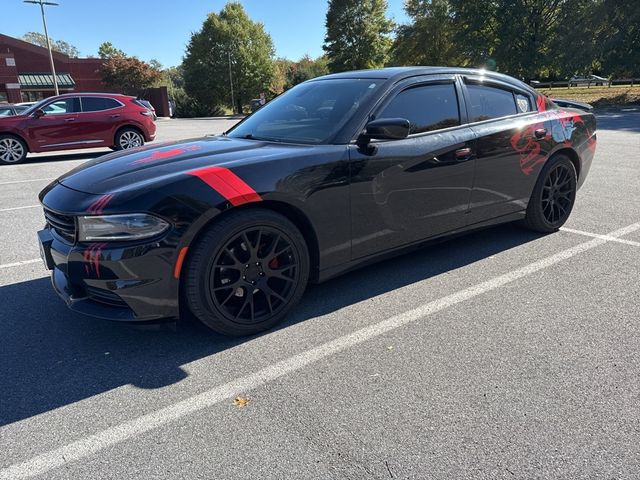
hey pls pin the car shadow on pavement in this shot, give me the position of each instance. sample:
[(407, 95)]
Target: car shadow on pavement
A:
[(51, 357), (627, 121), (67, 156)]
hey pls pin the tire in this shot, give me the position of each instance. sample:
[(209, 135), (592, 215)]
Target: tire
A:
[(246, 272), (128, 137), (12, 150), (553, 196)]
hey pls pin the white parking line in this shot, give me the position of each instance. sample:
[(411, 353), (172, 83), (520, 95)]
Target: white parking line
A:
[(23, 262), (18, 208), (119, 433), (26, 181), (603, 237)]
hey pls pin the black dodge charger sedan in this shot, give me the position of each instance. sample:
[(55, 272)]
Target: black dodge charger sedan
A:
[(337, 172)]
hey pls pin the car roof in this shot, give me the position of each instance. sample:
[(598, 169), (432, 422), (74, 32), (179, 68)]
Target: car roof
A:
[(395, 74), (93, 94)]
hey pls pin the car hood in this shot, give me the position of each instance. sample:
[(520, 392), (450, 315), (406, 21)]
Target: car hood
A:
[(157, 164)]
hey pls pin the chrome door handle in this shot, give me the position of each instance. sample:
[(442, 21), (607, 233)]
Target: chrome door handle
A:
[(69, 119)]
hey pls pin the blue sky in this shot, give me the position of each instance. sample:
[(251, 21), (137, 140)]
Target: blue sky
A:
[(161, 28)]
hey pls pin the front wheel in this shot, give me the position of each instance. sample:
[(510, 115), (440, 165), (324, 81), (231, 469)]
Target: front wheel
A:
[(246, 272), (553, 196), (12, 150), (128, 138)]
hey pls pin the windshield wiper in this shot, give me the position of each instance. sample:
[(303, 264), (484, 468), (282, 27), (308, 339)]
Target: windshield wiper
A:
[(250, 136)]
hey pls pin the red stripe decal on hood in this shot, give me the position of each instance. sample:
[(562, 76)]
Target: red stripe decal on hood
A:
[(227, 184)]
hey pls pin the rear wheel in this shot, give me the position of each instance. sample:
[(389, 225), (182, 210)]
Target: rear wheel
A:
[(128, 138), (12, 149), (553, 196), (246, 272)]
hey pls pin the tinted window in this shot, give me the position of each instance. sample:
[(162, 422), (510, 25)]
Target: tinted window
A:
[(96, 104), (67, 105), (308, 113), (489, 102), (5, 111), (428, 107)]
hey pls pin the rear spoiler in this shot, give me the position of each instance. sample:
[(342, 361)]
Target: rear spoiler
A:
[(572, 104)]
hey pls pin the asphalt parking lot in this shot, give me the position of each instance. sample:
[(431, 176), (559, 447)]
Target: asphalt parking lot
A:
[(502, 354)]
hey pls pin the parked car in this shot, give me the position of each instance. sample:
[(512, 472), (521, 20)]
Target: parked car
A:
[(10, 109), (588, 80), (147, 104), (76, 120), (233, 227)]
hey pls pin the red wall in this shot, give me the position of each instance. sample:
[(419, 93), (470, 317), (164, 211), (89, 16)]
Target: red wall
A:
[(33, 59)]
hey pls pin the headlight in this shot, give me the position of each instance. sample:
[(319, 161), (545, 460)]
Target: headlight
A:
[(133, 226)]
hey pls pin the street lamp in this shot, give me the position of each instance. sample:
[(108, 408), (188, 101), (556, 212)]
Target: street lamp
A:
[(42, 3), (233, 107)]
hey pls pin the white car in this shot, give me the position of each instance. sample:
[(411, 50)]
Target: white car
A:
[(588, 80)]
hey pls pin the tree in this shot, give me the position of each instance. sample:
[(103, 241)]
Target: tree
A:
[(129, 75), (107, 50), (281, 68), (620, 47), (357, 34), (58, 45), (228, 41), (305, 69), (430, 38)]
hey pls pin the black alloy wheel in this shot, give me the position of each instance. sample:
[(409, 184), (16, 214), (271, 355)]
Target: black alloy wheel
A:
[(247, 272), (553, 196), (557, 194)]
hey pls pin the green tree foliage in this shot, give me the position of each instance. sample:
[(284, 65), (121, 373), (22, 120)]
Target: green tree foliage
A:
[(107, 50), (621, 37), (129, 75), (228, 40), (358, 34), (57, 45), (305, 69), (430, 38), (524, 38), (287, 74)]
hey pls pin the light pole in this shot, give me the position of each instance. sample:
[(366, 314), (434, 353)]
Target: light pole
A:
[(233, 107), (42, 3)]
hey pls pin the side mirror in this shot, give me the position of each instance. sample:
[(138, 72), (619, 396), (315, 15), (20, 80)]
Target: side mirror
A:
[(38, 113), (388, 129)]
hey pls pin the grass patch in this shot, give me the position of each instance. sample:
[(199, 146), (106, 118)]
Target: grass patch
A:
[(597, 96)]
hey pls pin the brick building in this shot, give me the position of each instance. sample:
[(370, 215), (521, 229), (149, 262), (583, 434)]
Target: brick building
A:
[(25, 73)]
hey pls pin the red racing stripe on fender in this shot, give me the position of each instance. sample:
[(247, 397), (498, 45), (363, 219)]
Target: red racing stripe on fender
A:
[(227, 184)]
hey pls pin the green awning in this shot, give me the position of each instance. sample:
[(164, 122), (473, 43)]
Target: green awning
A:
[(44, 80)]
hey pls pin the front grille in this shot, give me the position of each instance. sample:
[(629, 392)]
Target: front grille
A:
[(105, 296), (63, 225)]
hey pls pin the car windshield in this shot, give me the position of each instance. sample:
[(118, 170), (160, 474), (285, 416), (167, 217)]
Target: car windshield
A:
[(311, 112)]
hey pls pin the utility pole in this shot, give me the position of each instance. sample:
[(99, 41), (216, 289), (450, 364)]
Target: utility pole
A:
[(233, 105), (42, 3)]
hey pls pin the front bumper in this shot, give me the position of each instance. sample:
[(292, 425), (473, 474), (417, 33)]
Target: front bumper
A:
[(122, 282)]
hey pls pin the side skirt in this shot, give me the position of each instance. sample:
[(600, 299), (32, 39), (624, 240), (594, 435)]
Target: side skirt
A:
[(333, 272)]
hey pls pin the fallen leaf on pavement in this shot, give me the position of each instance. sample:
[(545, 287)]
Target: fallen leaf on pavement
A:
[(241, 401)]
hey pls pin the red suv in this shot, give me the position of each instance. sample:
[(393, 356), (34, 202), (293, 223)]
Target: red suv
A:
[(76, 120)]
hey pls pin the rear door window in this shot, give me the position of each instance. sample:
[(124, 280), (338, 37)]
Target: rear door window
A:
[(97, 104), (486, 103), (427, 107)]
